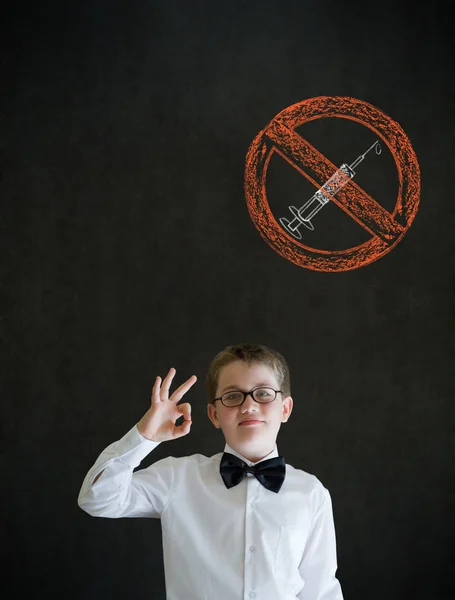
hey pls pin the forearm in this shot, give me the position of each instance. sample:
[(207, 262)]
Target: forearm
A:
[(106, 489), (319, 562)]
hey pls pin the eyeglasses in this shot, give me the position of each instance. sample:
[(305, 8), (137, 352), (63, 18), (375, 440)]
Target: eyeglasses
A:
[(263, 395)]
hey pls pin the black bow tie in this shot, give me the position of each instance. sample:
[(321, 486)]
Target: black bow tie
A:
[(270, 472)]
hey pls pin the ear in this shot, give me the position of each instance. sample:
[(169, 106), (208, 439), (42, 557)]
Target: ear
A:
[(286, 408), (213, 416)]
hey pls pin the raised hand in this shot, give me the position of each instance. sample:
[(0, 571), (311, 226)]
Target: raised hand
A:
[(158, 423)]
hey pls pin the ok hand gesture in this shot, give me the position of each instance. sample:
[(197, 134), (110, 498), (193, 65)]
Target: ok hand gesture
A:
[(158, 423)]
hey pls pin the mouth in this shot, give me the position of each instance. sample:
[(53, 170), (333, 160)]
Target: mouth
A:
[(250, 422)]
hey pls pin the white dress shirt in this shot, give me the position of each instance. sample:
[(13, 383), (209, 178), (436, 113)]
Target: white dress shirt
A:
[(239, 543)]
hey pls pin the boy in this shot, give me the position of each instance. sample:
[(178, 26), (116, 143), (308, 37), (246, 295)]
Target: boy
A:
[(229, 532)]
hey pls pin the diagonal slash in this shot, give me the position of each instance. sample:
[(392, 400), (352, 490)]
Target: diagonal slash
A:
[(351, 198)]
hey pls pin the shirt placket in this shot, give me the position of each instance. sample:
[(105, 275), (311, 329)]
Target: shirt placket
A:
[(250, 571)]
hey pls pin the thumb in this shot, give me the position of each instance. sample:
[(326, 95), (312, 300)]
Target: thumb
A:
[(183, 429)]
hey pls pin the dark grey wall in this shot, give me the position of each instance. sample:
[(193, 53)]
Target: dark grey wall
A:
[(127, 248)]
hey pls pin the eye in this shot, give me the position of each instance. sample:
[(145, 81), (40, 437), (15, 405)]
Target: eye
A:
[(264, 392), (233, 395)]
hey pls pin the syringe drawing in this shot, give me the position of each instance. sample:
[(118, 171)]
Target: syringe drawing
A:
[(305, 214)]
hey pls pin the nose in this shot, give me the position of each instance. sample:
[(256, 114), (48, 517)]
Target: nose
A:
[(249, 402)]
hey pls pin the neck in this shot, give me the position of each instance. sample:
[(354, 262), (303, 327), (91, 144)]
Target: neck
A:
[(254, 456)]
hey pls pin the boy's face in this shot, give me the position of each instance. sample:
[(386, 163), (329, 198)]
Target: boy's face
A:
[(252, 441)]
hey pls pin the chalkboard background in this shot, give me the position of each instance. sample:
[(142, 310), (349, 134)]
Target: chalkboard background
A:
[(127, 248)]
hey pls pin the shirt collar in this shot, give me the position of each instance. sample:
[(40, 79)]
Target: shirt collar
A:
[(272, 454)]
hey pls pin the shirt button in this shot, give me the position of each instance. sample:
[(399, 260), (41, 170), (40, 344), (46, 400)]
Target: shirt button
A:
[(252, 594), (252, 548)]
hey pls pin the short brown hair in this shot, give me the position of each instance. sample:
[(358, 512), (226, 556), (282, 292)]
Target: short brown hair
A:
[(249, 353)]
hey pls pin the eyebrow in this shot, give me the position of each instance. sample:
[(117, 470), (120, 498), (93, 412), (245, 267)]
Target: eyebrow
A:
[(237, 387)]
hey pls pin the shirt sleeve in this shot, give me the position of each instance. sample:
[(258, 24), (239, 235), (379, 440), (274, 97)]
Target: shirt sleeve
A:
[(121, 493), (319, 562)]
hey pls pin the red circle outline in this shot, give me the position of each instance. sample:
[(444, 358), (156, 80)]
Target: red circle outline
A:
[(261, 150)]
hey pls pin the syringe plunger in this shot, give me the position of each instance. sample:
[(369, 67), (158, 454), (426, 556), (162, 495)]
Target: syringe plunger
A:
[(303, 215)]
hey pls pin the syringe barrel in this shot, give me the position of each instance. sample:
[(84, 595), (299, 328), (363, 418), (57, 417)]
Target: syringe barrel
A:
[(338, 180)]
